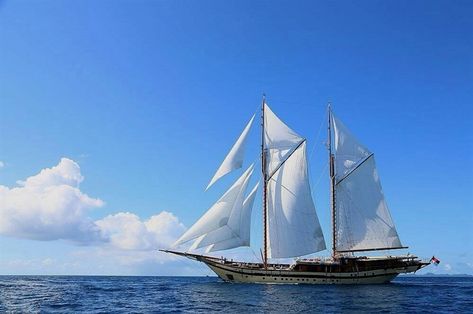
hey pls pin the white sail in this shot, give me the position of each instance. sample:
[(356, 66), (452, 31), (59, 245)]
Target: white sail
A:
[(234, 159), (349, 151), (219, 214), (294, 229), (236, 232), (363, 221), (279, 140), (196, 243)]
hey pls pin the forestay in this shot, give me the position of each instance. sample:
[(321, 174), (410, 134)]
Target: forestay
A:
[(219, 214), (234, 159), (294, 228), (363, 221)]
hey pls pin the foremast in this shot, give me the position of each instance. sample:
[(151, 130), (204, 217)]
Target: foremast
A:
[(331, 159), (265, 184)]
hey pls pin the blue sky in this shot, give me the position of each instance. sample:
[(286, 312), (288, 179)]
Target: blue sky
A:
[(146, 97)]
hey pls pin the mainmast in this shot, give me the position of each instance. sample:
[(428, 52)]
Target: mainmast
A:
[(265, 183), (332, 182)]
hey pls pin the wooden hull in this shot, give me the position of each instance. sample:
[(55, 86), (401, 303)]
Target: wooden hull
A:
[(231, 274), (345, 270)]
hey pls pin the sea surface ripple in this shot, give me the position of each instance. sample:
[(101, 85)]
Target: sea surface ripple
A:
[(105, 294)]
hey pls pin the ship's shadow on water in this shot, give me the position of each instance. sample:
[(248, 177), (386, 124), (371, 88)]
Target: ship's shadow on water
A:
[(60, 294)]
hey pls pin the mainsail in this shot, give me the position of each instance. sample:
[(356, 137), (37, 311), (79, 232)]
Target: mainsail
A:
[(219, 215), (234, 159), (294, 229), (363, 221)]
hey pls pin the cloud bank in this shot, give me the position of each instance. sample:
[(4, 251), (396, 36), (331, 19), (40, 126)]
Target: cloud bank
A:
[(50, 206), (127, 231)]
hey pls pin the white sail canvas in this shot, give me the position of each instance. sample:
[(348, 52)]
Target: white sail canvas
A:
[(363, 220), (236, 232), (219, 214), (294, 229), (279, 140), (234, 159), (349, 151)]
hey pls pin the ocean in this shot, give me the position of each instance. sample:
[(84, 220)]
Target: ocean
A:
[(108, 294)]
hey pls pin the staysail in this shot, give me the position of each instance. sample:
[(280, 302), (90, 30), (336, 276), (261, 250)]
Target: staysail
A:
[(236, 232), (363, 221), (293, 229), (234, 159), (219, 214)]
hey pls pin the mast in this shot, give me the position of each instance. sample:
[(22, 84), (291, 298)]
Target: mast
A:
[(332, 182), (265, 183)]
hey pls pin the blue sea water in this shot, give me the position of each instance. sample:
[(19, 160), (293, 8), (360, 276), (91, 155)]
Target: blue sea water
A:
[(104, 294)]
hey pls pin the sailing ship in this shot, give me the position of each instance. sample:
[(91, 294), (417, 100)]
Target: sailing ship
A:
[(360, 218)]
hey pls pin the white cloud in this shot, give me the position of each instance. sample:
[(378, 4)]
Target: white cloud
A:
[(2, 164), (448, 267), (50, 206), (47, 262), (126, 230)]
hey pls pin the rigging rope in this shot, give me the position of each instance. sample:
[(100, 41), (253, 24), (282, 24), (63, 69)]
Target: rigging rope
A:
[(311, 155), (316, 139)]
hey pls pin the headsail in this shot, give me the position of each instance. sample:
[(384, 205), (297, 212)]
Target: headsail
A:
[(219, 214), (234, 159), (294, 228), (363, 221), (236, 232)]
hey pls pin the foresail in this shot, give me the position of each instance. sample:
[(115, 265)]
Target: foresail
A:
[(196, 242), (234, 159), (236, 232), (279, 140), (294, 229), (219, 214), (363, 221)]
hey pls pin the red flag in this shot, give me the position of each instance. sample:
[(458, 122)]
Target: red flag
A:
[(435, 260)]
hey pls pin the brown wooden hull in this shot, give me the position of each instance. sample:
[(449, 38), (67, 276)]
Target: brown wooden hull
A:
[(346, 270)]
